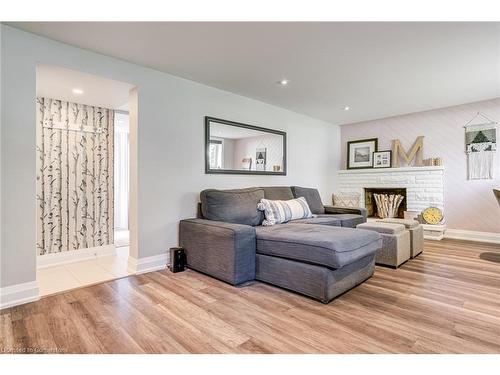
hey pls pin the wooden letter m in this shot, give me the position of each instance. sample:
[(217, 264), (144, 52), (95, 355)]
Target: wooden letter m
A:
[(398, 150)]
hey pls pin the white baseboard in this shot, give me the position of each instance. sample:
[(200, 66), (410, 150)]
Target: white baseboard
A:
[(470, 235), (65, 257), (18, 294), (148, 264)]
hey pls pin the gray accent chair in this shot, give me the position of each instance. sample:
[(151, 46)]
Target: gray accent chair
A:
[(319, 257)]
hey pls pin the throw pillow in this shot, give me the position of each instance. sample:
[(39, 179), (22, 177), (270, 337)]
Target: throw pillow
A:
[(350, 200), (312, 197), (277, 212), (237, 206)]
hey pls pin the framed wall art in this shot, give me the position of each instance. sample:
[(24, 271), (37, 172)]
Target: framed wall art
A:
[(360, 153), (382, 159)]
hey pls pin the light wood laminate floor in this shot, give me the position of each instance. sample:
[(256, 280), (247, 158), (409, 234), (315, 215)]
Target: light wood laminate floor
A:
[(445, 301)]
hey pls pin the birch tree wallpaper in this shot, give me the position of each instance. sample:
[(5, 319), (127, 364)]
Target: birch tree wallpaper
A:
[(74, 176)]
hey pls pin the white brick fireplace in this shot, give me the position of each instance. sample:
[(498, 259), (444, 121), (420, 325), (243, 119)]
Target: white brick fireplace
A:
[(424, 185)]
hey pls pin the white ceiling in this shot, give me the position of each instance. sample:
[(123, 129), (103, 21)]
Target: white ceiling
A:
[(378, 69), (57, 83)]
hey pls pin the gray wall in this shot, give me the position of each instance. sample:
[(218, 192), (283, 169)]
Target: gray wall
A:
[(170, 146)]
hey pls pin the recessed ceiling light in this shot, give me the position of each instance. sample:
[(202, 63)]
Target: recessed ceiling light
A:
[(346, 108), (284, 82), (77, 91)]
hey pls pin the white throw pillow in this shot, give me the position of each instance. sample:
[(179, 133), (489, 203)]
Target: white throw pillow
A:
[(277, 212), (350, 200)]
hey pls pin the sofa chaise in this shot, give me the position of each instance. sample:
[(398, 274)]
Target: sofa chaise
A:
[(321, 257)]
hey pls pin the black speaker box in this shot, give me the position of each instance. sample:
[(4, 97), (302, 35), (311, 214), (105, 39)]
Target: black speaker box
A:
[(177, 259)]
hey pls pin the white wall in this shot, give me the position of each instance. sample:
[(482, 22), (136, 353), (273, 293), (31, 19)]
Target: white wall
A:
[(228, 153), (121, 173), (170, 146)]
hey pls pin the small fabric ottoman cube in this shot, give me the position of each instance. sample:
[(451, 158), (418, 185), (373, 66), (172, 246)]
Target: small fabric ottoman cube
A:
[(416, 233), (395, 242)]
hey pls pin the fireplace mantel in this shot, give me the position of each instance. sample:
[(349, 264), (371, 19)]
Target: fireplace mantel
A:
[(392, 170)]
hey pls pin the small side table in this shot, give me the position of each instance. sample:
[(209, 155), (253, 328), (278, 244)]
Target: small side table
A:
[(434, 232)]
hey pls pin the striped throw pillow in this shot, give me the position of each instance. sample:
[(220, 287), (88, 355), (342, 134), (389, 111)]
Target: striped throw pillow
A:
[(277, 212)]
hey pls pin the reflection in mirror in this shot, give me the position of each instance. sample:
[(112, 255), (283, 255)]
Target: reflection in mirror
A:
[(245, 149)]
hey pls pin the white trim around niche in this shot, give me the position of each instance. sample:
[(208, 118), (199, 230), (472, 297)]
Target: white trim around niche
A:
[(148, 264), (18, 294), (65, 257), (470, 235)]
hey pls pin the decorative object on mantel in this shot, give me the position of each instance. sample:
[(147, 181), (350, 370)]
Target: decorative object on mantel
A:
[(497, 195), (412, 215), (398, 151), (382, 159), (349, 200), (481, 143), (387, 204), (432, 215), (433, 162), (360, 153)]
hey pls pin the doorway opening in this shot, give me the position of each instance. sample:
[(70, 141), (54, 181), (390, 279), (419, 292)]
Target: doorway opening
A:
[(83, 169)]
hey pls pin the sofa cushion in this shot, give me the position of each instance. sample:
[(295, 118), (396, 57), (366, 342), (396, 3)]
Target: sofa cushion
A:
[(282, 193), (408, 223), (277, 212), (326, 220), (347, 220), (312, 197), (232, 206), (325, 245)]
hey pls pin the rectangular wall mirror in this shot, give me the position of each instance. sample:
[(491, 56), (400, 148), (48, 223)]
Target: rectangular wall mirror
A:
[(235, 148)]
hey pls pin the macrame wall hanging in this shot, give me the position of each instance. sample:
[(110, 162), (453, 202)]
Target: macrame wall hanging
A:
[(481, 144)]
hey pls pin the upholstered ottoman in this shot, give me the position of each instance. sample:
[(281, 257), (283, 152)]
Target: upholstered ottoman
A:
[(320, 261), (395, 242), (416, 234)]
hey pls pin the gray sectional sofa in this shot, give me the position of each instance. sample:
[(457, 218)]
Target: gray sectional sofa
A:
[(321, 257)]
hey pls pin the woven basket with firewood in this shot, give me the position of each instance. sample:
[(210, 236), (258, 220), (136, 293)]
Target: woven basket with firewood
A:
[(387, 204)]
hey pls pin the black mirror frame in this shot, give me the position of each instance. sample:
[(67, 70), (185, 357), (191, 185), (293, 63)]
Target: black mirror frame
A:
[(208, 119)]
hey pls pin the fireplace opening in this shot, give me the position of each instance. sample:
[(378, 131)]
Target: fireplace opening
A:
[(371, 206)]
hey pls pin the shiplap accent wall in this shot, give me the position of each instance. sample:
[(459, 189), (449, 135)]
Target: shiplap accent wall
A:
[(469, 205)]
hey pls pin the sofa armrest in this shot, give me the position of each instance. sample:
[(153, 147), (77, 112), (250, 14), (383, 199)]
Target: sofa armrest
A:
[(345, 210), (223, 250)]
